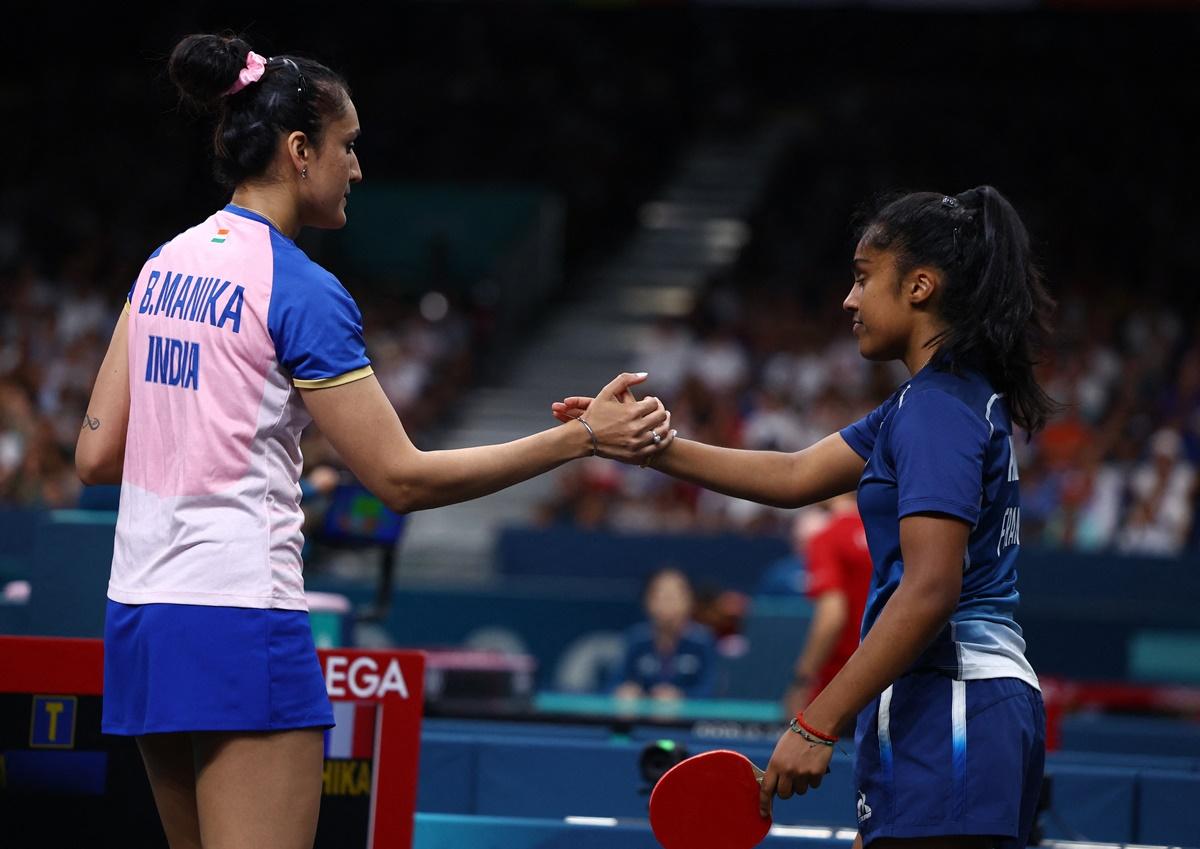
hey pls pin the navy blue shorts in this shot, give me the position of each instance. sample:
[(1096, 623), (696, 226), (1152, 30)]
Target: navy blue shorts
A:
[(183, 667), (943, 757)]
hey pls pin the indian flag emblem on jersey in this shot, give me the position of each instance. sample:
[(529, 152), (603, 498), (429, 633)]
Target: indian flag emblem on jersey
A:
[(219, 239)]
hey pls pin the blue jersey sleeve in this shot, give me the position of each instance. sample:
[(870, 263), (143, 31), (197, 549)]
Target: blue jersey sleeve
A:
[(315, 324), (938, 445), (861, 435)]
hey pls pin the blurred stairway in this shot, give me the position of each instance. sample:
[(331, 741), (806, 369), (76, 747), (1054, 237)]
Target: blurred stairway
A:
[(694, 227)]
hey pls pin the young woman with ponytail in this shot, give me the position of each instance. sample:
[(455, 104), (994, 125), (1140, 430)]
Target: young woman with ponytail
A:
[(231, 342), (950, 728)]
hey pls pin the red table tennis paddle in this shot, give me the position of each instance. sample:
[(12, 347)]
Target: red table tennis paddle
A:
[(709, 801)]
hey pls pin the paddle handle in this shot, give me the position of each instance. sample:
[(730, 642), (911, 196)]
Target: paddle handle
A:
[(759, 774)]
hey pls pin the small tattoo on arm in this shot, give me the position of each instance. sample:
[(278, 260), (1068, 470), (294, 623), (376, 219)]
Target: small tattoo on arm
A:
[(90, 423)]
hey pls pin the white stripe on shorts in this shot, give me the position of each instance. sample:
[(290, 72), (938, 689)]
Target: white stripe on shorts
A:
[(958, 738), (958, 713), (885, 732)]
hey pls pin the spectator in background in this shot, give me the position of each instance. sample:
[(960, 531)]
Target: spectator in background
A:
[(720, 362), (666, 351), (669, 657), (1163, 488), (839, 580), (34, 468), (1074, 522), (775, 426), (17, 426), (1066, 438)]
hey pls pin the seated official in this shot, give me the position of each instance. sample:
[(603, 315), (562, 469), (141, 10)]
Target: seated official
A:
[(668, 657)]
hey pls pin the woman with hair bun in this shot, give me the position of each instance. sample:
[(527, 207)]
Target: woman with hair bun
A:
[(950, 727), (231, 341)]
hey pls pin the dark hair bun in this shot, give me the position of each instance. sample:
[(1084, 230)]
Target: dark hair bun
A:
[(292, 94), (203, 67)]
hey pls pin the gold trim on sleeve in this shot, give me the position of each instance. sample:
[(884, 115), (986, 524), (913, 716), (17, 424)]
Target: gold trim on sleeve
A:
[(326, 382)]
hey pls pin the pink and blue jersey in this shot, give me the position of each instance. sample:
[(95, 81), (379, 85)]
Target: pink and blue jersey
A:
[(225, 322)]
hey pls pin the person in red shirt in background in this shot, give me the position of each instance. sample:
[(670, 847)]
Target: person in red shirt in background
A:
[(839, 578)]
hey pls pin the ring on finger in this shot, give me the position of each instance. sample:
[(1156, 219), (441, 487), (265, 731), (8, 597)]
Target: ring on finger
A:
[(655, 436)]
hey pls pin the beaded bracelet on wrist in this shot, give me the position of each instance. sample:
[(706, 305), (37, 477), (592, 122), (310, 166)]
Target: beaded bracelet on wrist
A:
[(796, 728), (828, 738)]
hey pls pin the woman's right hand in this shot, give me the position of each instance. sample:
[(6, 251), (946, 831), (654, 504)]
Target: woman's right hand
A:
[(625, 429)]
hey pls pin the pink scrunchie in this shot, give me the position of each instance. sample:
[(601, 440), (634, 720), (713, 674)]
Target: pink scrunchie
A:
[(252, 73)]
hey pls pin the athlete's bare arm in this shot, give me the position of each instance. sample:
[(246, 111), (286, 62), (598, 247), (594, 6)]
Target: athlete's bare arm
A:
[(362, 426), (100, 450), (933, 546), (821, 471)]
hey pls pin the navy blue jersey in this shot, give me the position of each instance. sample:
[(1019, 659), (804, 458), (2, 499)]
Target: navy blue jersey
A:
[(691, 667), (943, 444)]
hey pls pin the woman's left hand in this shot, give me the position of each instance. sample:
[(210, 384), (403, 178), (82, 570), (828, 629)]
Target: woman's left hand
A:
[(795, 766)]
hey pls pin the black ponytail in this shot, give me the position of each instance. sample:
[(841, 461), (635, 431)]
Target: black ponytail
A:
[(294, 93), (994, 304)]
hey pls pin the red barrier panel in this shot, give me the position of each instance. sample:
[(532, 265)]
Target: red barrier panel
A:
[(1063, 697), (393, 680), (379, 694), (51, 665)]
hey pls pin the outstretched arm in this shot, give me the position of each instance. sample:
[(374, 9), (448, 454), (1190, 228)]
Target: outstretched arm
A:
[(818, 472), (363, 427), (821, 471)]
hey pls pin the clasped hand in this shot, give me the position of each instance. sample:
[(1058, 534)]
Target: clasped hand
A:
[(625, 428)]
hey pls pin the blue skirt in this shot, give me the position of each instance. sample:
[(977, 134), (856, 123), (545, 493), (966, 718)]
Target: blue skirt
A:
[(183, 667)]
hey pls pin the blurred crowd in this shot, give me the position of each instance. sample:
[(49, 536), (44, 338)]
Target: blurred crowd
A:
[(70, 245), (761, 369), (55, 329), (594, 106), (465, 95), (752, 367), (765, 359)]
